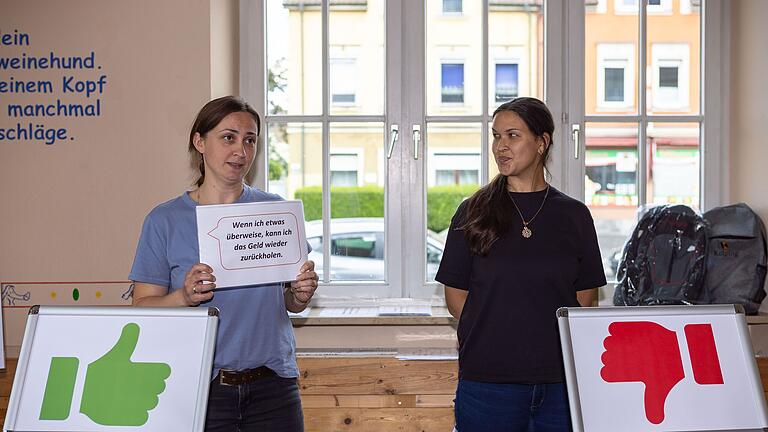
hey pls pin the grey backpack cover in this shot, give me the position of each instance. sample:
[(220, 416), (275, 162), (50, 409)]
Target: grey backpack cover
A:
[(736, 257)]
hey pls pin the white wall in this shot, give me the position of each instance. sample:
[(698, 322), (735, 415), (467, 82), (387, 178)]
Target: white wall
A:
[(749, 104)]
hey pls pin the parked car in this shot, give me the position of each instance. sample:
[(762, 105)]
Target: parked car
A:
[(357, 249)]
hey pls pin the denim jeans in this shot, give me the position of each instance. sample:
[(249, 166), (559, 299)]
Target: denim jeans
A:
[(268, 404), (511, 407)]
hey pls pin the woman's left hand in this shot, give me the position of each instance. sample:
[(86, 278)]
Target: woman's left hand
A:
[(303, 288)]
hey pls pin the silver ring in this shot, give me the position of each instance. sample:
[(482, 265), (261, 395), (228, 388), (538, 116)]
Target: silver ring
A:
[(194, 290)]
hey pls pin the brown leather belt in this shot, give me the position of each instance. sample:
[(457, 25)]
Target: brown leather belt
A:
[(237, 377)]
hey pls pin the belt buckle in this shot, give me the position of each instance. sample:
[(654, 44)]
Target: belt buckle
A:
[(221, 376)]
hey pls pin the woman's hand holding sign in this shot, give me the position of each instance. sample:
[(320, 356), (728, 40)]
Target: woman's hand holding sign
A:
[(198, 284), (300, 291)]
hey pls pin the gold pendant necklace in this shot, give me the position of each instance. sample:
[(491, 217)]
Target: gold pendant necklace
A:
[(527, 233)]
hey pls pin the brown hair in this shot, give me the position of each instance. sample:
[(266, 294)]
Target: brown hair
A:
[(209, 116), (489, 210)]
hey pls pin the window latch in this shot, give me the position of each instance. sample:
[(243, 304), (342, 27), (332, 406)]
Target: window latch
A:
[(393, 131), (416, 141), (575, 130)]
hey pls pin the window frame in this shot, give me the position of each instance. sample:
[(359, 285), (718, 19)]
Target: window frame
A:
[(712, 114), (563, 84)]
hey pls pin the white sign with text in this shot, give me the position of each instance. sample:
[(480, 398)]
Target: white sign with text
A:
[(252, 243)]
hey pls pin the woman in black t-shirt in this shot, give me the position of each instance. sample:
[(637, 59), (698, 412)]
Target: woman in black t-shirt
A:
[(517, 250)]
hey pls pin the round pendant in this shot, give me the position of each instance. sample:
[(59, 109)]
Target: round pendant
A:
[(527, 233)]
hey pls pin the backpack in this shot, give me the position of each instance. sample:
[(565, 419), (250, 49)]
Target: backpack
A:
[(736, 258), (664, 260)]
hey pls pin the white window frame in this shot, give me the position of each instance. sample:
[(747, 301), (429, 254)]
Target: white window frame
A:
[(405, 202), (671, 55), (616, 56)]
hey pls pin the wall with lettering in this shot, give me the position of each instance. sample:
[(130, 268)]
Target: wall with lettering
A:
[(96, 101)]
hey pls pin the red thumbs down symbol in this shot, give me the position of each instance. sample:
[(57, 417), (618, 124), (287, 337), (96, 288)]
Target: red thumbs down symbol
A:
[(643, 352)]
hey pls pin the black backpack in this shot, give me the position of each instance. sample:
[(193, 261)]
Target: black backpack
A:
[(664, 260), (736, 257)]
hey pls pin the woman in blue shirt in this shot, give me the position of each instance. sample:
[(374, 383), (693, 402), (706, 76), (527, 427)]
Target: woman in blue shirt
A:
[(254, 385)]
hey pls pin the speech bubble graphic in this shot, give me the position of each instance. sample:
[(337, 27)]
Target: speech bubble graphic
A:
[(254, 241)]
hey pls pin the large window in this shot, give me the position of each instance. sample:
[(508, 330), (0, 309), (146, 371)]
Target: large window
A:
[(644, 116), (377, 116)]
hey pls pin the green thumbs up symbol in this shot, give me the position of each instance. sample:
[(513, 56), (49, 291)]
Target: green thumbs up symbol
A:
[(117, 391)]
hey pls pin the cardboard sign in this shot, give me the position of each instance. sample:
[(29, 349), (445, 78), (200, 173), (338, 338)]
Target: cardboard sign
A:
[(252, 243), (113, 368), (665, 368)]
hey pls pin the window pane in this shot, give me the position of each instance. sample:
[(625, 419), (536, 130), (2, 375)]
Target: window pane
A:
[(668, 76), (610, 57), (356, 51), (452, 78), (614, 84), (453, 59), (294, 57), (675, 163), (506, 82), (295, 162), (451, 6), (673, 83), (453, 174), (674, 57), (343, 81), (295, 171), (357, 201), (610, 186), (515, 51)]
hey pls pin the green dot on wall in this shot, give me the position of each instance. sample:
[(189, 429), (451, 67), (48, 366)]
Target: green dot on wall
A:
[(75, 294)]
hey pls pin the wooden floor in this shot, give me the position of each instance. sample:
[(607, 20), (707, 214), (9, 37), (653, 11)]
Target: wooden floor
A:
[(367, 394)]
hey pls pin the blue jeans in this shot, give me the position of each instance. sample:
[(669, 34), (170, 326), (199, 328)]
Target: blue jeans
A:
[(511, 407), (269, 404)]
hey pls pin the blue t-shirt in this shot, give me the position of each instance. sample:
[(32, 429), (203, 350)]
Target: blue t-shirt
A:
[(254, 328)]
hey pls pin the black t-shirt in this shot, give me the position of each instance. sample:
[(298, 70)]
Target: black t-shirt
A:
[(508, 329)]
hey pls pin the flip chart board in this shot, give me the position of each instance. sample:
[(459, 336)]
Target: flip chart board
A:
[(113, 368), (661, 368)]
